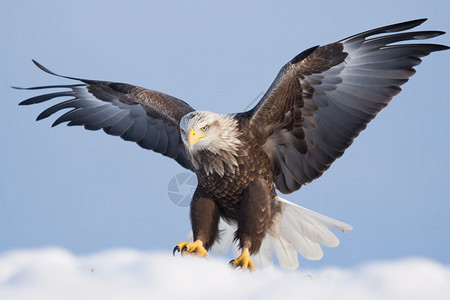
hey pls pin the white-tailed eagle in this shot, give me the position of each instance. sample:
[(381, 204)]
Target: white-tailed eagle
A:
[(317, 105)]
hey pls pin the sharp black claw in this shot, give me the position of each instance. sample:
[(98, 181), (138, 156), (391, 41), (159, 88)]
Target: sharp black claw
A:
[(184, 249), (231, 263), (176, 249)]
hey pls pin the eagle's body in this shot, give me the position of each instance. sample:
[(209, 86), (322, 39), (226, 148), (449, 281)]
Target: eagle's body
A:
[(318, 103), (231, 178)]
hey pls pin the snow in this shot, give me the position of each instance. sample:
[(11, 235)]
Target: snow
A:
[(54, 273)]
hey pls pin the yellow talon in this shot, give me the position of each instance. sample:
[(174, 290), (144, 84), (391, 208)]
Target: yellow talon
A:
[(191, 248), (244, 261)]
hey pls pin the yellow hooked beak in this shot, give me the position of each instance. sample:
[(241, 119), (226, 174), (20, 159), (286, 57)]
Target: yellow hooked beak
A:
[(193, 137)]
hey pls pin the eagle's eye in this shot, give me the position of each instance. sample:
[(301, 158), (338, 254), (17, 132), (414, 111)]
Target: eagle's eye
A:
[(182, 131), (204, 128)]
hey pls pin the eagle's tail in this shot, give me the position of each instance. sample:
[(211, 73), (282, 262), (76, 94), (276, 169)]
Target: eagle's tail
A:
[(297, 229)]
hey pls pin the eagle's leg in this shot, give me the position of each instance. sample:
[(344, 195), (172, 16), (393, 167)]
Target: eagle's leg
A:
[(255, 215), (205, 225)]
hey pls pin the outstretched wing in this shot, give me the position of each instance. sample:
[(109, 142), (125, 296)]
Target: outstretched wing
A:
[(149, 118), (324, 97)]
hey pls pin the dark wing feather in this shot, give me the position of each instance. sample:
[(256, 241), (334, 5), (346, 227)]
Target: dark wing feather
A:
[(149, 118), (323, 98)]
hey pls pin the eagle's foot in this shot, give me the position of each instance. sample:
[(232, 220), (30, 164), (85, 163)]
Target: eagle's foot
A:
[(244, 261), (191, 248)]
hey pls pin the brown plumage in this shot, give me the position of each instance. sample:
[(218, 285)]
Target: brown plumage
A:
[(318, 103)]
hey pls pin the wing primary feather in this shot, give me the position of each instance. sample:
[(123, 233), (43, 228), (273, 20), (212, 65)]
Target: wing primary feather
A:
[(55, 108), (89, 115), (48, 87), (43, 98), (386, 29), (67, 116), (52, 73), (393, 38)]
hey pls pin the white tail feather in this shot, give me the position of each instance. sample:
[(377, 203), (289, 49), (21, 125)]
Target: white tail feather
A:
[(296, 229)]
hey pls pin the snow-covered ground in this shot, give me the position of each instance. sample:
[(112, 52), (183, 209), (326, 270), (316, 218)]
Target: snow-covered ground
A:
[(54, 273)]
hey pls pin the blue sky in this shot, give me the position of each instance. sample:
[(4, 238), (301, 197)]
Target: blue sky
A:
[(87, 191)]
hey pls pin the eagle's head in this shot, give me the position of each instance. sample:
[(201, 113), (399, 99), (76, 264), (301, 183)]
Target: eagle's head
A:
[(204, 130)]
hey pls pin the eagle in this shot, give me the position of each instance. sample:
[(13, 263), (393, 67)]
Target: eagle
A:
[(317, 105)]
